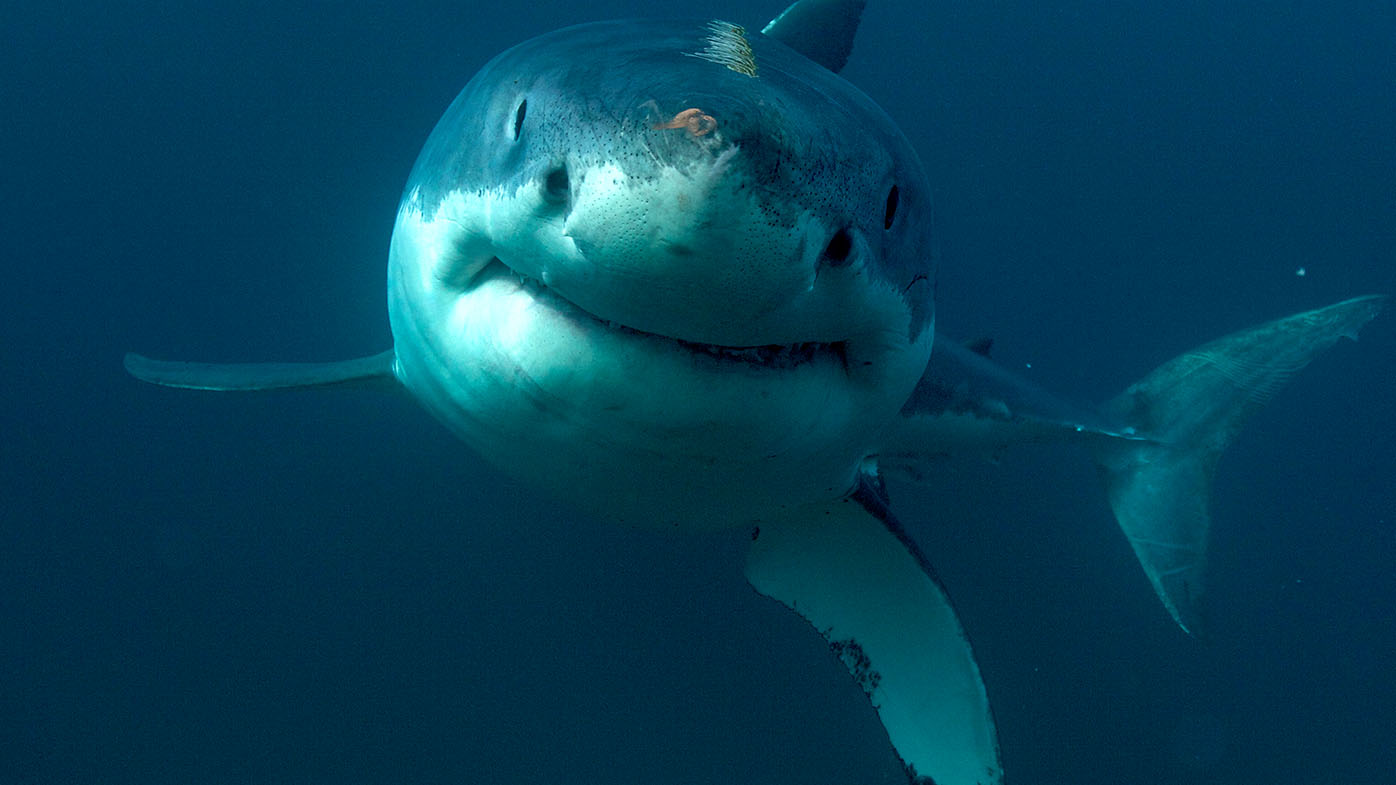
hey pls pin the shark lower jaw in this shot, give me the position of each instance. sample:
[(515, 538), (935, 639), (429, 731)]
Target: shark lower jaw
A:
[(562, 399), (760, 356)]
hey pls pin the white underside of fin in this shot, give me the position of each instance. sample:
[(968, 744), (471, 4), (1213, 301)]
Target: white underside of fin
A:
[(873, 599)]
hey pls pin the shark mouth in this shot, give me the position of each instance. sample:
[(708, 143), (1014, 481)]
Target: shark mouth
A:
[(772, 356)]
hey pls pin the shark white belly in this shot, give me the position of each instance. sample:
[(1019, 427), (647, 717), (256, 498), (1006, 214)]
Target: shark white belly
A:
[(677, 274)]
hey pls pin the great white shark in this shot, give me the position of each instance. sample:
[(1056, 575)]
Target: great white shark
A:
[(677, 274)]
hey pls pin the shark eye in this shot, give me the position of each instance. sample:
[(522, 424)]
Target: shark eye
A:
[(519, 118), (839, 247), (557, 185), (893, 197)]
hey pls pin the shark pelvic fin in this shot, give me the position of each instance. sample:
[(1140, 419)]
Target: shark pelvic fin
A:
[(1189, 409), (850, 570), (229, 377)]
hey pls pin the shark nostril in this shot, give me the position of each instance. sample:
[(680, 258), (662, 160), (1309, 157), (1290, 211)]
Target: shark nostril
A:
[(519, 115), (890, 213), (840, 247), (557, 186)]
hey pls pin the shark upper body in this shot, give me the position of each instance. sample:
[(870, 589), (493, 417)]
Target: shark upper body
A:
[(677, 273), (632, 254)]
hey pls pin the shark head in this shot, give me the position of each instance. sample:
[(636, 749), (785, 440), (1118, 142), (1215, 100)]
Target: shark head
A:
[(699, 239)]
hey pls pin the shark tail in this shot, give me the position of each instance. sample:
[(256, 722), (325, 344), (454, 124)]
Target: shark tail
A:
[(1187, 411)]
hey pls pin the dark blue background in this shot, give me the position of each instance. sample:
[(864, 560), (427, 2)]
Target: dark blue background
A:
[(324, 587)]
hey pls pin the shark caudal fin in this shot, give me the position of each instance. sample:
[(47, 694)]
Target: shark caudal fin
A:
[(1189, 409), (240, 377)]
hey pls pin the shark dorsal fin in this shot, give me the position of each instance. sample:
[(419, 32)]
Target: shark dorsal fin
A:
[(821, 30)]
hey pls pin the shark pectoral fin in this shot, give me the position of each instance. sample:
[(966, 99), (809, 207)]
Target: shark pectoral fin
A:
[(1189, 409), (849, 569), (375, 369)]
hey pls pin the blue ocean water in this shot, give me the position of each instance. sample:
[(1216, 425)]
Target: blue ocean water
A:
[(325, 587)]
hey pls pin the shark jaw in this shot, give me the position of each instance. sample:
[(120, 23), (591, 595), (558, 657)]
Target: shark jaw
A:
[(573, 401), (776, 357)]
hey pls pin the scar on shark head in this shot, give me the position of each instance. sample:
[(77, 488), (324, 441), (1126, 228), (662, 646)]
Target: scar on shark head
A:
[(693, 120)]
